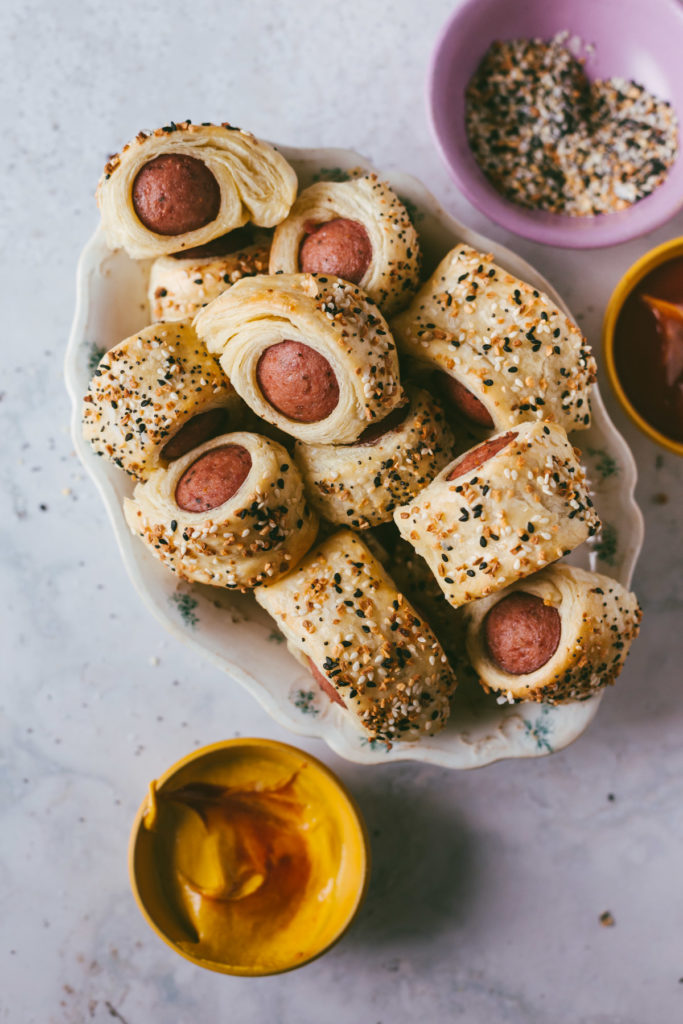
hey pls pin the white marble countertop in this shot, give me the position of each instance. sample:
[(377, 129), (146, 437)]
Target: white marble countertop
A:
[(487, 887)]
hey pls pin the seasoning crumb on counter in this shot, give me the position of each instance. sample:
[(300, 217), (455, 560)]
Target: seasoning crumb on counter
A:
[(606, 919), (549, 139)]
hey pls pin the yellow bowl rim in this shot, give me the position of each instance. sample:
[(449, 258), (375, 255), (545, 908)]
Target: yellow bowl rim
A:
[(651, 259), (256, 743)]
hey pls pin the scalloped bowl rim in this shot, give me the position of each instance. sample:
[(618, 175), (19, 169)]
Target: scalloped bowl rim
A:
[(131, 551)]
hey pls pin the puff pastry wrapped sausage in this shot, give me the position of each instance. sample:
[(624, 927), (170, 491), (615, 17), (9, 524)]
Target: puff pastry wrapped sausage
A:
[(358, 230), (231, 513), (186, 184), (559, 635), (344, 618), (154, 396), (178, 288), (360, 484), (415, 580), (310, 354), (504, 351), (501, 511)]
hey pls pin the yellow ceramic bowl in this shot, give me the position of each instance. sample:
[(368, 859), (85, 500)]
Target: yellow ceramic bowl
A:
[(265, 781), (654, 258)]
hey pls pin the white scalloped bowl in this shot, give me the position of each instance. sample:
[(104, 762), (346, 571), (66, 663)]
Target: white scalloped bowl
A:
[(231, 630)]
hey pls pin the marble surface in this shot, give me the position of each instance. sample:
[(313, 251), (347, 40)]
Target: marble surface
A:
[(487, 887)]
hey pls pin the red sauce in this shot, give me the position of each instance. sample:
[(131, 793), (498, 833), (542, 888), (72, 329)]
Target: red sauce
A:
[(648, 348)]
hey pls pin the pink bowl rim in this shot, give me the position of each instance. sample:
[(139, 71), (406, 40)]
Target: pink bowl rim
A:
[(554, 229)]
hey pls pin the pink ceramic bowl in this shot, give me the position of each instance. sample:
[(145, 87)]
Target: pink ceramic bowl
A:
[(638, 39)]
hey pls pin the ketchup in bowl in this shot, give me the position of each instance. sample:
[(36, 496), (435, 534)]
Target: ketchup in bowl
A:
[(648, 348)]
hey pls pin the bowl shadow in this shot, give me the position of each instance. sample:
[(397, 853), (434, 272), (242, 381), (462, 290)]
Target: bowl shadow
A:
[(423, 875)]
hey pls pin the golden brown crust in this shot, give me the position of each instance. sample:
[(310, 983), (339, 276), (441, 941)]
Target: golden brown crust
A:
[(394, 270), (324, 313), (523, 508), (342, 611), (259, 534), (599, 619), (179, 288), (146, 388), (256, 184), (359, 485), (507, 343)]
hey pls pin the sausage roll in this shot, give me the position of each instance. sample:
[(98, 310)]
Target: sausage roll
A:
[(358, 230), (365, 644), (179, 287), (360, 484), (309, 353), (186, 184), (501, 511), (414, 578), (557, 636), (155, 396), (231, 513), (503, 351)]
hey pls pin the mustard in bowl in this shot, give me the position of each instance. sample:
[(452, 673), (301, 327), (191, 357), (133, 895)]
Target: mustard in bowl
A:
[(249, 857)]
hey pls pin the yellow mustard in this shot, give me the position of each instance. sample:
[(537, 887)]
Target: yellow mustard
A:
[(257, 854)]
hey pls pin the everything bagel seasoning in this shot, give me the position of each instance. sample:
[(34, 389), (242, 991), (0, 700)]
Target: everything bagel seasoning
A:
[(549, 139)]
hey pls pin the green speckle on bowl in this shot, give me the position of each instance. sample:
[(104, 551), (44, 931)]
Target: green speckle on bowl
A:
[(186, 604), (539, 729), (275, 638), (412, 210), (375, 744), (95, 353), (304, 701), (606, 544), (606, 465), (331, 174)]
